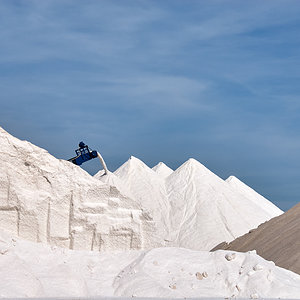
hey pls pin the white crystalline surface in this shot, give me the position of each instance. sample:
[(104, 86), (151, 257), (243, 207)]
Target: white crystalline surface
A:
[(258, 199), (192, 207), (205, 210), (35, 270), (162, 169), (44, 199), (146, 187)]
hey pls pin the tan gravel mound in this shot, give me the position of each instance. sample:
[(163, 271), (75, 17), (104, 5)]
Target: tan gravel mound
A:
[(277, 240)]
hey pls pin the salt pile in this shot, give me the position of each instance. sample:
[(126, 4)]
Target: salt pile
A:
[(44, 199), (251, 194), (196, 208), (162, 170), (35, 270), (204, 202)]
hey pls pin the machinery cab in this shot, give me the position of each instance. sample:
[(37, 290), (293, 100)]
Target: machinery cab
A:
[(83, 154)]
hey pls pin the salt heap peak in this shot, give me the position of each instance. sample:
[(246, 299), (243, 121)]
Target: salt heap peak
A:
[(195, 168), (134, 172), (240, 187), (134, 165), (205, 209), (192, 206), (131, 166), (148, 189), (44, 199), (162, 170)]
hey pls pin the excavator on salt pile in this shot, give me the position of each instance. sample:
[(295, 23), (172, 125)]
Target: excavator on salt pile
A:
[(83, 154)]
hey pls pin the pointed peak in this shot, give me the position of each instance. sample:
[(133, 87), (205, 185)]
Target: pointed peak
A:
[(194, 166), (133, 158), (233, 179), (236, 181), (132, 164), (135, 161), (191, 162), (238, 185), (162, 170), (132, 161), (160, 165)]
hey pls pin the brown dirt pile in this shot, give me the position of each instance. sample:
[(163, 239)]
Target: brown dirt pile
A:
[(277, 240)]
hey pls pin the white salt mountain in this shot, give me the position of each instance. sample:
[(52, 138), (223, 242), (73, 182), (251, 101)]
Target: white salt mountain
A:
[(205, 209), (160, 272), (48, 200), (162, 169), (136, 180), (44, 199), (197, 208)]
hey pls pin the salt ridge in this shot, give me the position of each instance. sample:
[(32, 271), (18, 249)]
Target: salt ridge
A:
[(43, 199), (198, 209), (258, 199)]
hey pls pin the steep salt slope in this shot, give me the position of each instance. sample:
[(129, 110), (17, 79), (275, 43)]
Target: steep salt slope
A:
[(148, 189), (277, 240), (205, 209), (240, 187), (36, 270), (162, 170), (199, 210), (44, 199)]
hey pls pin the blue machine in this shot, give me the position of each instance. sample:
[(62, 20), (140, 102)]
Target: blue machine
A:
[(83, 154)]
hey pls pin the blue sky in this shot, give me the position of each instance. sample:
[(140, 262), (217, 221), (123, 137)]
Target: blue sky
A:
[(161, 80)]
